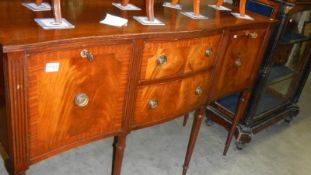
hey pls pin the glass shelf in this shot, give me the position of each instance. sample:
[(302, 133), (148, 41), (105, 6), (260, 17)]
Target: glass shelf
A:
[(279, 73), (292, 38)]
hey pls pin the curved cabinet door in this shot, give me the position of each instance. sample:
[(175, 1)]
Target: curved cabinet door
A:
[(75, 96), (240, 62)]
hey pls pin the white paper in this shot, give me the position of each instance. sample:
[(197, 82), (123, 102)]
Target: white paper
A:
[(127, 7), (145, 21), (223, 8), (52, 67), (114, 21), (49, 23), (191, 15), (37, 8), (170, 5), (237, 15)]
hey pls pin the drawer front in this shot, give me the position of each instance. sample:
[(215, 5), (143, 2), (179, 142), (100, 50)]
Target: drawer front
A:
[(75, 95), (240, 61), (161, 102), (173, 58)]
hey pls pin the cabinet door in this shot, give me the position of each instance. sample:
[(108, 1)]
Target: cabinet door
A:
[(240, 62), (75, 96)]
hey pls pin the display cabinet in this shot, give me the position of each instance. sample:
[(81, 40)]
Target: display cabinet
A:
[(282, 76)]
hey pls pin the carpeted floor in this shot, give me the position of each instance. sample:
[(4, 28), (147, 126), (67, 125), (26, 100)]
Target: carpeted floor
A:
[(279, 150)]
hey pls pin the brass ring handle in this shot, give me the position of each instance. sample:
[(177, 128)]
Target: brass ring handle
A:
[(162, 60), (86, 54), (198, 91), (208, 52), (81, 100), (153, 104), (238, 62)]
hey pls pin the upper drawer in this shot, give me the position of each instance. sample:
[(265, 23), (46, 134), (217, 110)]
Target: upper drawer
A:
[(170, 58), (75, 95), (159, 102)]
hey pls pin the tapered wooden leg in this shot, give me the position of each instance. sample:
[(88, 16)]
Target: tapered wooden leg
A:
[(150, 9), (119, 146), (185, 119), (242, 7), (243, 102), (124, 2), (199, 115), (196, 7), (219, 3), (174, 2), (57, 11), (38, 2), (13, 171)]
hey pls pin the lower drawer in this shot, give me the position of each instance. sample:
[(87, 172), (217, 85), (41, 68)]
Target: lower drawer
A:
[(164, 101)]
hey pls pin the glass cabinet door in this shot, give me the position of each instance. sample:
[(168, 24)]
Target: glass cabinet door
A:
[(289, 59)]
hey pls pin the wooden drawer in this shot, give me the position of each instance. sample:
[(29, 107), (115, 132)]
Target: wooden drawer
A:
[(160, 102), (72, 98), (240, 62), (171, 58)]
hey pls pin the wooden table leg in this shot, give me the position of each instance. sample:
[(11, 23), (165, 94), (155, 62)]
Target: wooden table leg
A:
[(196, 7), (243, 102), (242, 7), (119, 146), (185, 119), (14, 171), (38, 2), (57, 11), (124, 2), (219, 3), (174, 2), (150, 9), (198, 117)]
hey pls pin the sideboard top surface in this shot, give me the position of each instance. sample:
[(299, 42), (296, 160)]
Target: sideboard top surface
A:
[(18, 29)]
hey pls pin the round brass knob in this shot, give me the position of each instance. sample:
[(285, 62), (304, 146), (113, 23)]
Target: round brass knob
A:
[(253, 35), (153, 104), (162, 60), (81, 100), (86, 54), (208, 52), (238, 62), (198, 91)]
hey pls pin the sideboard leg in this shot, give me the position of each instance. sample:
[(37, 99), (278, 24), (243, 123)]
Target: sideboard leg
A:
[(13, 171), (199, 115), (243, 101), (119, 146), (185, 119)]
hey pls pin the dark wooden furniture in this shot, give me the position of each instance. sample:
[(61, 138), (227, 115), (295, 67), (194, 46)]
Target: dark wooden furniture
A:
[(283, 74), (64, 88)]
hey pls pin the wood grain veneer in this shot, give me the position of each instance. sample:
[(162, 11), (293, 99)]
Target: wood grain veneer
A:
[(39, 117)]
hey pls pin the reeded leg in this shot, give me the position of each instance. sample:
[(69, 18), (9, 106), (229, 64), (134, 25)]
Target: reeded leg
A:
[(185, 119), (199, 115), (119, 146), (244, 99)]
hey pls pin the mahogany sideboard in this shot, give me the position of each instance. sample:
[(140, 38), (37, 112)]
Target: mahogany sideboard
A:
[(60, 89)]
